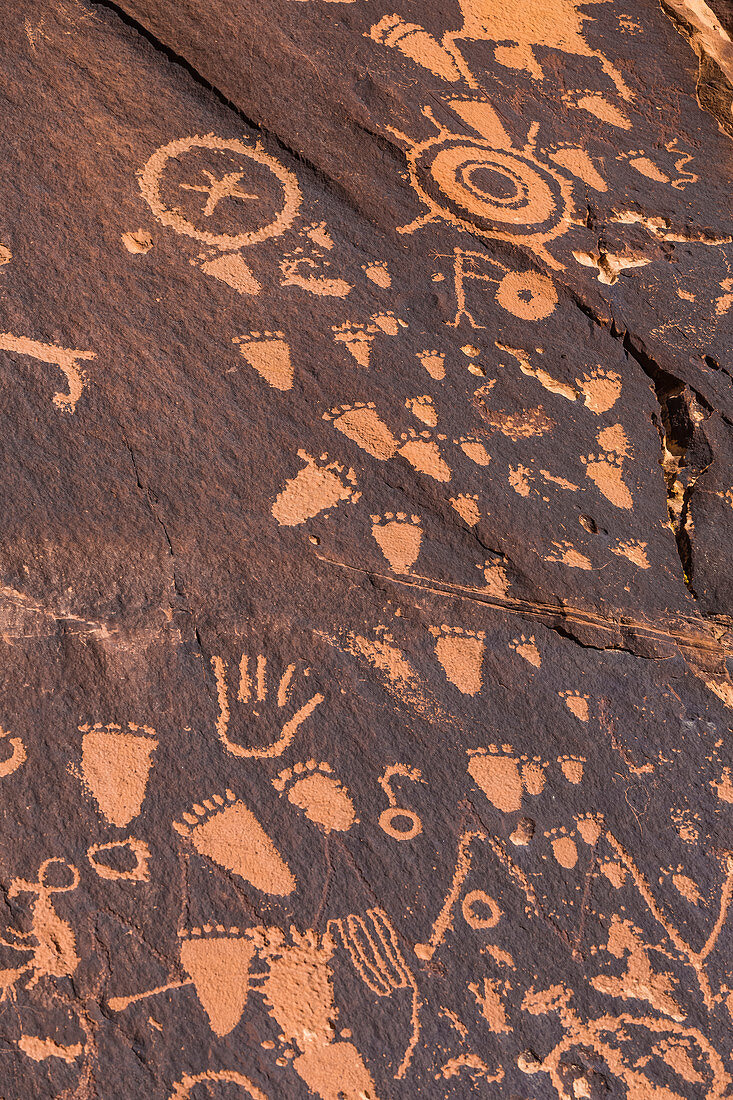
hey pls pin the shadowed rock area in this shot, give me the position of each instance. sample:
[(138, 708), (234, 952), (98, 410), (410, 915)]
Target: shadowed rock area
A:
[(365, 567)]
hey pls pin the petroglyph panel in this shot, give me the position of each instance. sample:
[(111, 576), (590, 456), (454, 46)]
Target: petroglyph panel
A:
[(365, 608)]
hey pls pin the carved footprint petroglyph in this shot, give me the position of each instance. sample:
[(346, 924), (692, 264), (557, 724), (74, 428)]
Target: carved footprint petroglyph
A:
[(474, 449), (115, 766), (565, 553), (314, 489), (254, 690), (572, 768), (466, 504), (422, 407), (269, 354), (423, 454), (434, 363), (601, 389), (504, 776), (225, 830), (526, 647), (313, 788), (576, 703), (399, 537), (461, 654), (362, 424), (378, 272), (605, 468)]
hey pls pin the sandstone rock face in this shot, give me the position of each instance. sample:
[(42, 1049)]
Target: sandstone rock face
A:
[(366, 586)]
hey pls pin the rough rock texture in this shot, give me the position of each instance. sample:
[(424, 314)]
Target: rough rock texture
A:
[(367, 484)]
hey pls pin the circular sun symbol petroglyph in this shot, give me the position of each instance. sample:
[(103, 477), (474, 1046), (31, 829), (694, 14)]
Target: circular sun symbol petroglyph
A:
[(507, 194), (233, 185)]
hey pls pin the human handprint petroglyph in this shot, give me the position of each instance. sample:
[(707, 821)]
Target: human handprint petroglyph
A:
[(257, 690)]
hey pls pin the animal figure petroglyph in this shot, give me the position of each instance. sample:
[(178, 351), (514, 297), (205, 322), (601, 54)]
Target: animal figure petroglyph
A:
[(517, 29), (50, 941)]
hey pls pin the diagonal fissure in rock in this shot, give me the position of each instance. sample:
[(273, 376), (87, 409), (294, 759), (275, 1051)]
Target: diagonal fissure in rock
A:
[(203, 82)]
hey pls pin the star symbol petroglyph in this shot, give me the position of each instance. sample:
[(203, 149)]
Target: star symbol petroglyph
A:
[(218, 189)]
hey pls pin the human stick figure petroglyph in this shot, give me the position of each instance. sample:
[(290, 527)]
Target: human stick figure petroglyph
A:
[(254, 690), (67, 359)]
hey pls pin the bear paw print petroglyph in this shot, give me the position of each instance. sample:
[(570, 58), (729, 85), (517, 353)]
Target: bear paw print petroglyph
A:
[(605, 468), (115, 767), (268, 353), (423, 454), (504, 777), (633, 550), (434, 363), (313, 788), (399, 537), (258, 691), (361, 423), (423, 408), (460, 653), (577, 704), (378, 272), (564, 553), (601, 389), (466, 504), (320, 485), (474, 449), (358, 337), (225, 830), (218, 960), (572, 768), (526, 647), (564, 848)]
